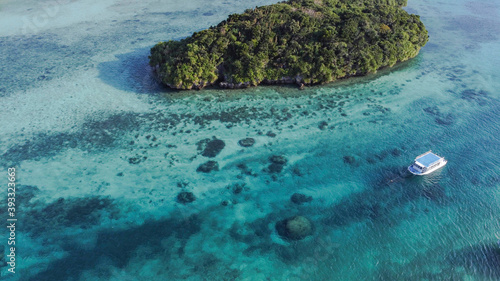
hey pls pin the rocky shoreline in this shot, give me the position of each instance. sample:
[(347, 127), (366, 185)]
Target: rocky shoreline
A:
[(298, 80)]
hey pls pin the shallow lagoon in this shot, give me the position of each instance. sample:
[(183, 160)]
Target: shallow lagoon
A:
[(102, 152)]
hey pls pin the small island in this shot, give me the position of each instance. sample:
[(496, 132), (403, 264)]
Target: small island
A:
[(297, 41)]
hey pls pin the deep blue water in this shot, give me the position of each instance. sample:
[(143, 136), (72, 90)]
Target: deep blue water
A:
[(102, 152)]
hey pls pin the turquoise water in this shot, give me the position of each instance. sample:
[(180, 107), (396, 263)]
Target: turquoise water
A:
[(102, 151)]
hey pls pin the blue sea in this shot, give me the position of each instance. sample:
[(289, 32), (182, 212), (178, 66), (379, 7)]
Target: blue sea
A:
[(101, 152)]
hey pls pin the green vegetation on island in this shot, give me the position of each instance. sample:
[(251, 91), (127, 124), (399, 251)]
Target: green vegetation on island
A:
[(297, 41)]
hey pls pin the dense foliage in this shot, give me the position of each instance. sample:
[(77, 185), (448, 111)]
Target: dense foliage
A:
[(307, 41)]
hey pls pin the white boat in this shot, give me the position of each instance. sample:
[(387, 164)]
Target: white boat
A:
[(427, 163)]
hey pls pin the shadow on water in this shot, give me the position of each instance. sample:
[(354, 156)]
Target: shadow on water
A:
[(482, 260), (131, 72), (114, 248)]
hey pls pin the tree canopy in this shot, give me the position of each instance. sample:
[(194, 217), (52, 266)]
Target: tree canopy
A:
[(306, 41)]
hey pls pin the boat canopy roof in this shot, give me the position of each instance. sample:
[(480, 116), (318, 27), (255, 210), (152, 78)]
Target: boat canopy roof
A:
[(427, 159)]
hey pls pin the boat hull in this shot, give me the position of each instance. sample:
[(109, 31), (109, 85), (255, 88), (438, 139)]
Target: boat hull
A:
[(417, 173)]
